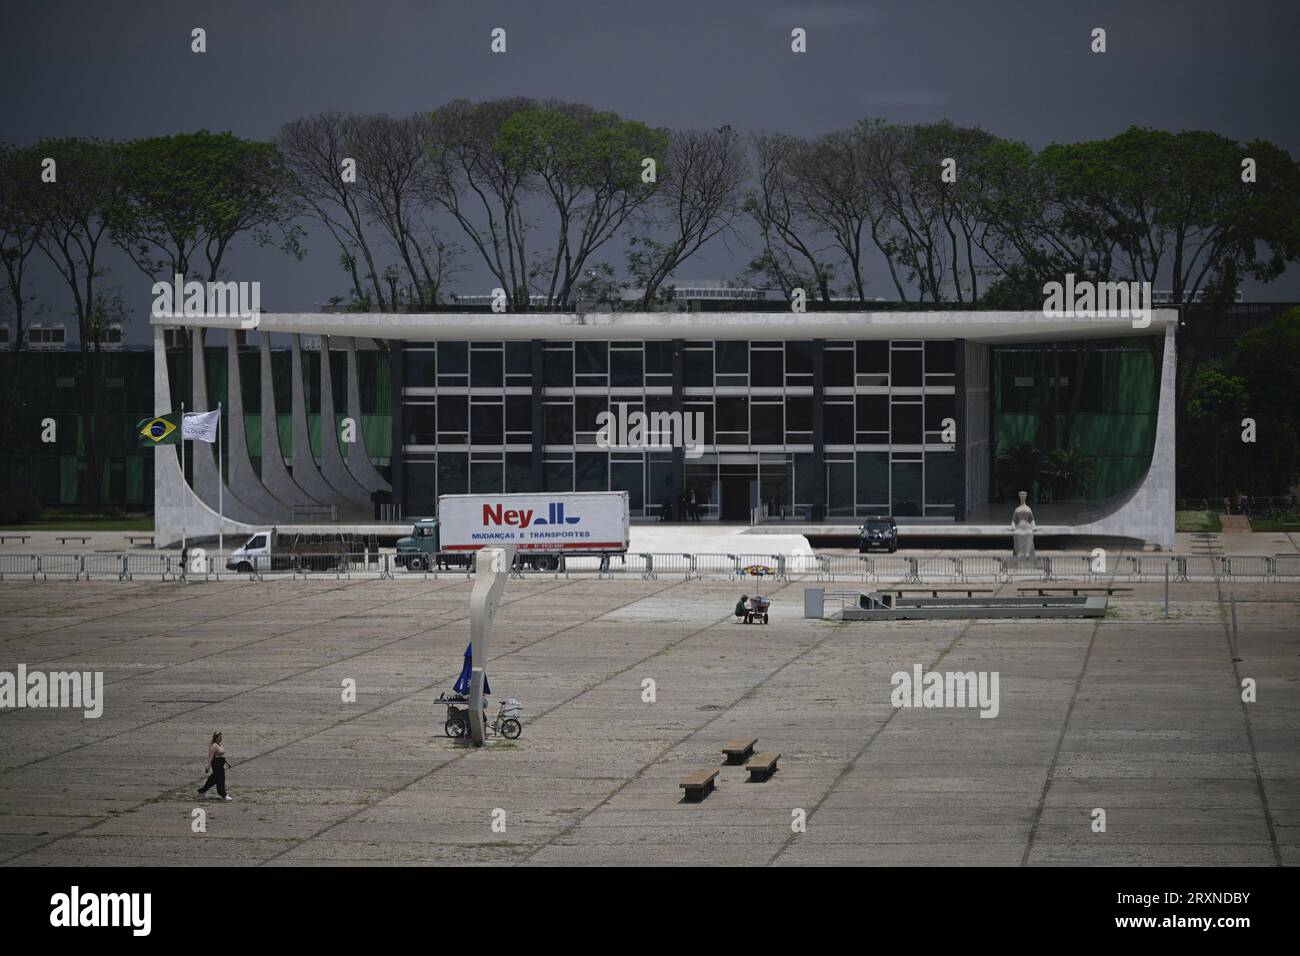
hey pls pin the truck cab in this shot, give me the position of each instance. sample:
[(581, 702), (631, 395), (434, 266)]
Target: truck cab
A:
[(253, 555), (418, 550)]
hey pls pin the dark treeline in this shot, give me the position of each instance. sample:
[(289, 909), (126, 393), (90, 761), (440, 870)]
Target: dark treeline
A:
[(538, 191)]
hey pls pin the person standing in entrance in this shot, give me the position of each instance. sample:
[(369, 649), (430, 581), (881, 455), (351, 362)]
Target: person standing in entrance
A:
[(217, 764)]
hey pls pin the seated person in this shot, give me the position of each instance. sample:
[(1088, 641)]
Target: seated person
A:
[(742, 608)]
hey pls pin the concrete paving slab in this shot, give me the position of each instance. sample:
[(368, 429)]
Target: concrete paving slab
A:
[(1136, 714)]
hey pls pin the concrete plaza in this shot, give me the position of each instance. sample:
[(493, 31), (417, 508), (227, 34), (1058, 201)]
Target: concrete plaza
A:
[(1135, 714)]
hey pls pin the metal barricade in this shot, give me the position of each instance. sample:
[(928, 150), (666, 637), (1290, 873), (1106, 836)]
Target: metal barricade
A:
[(103, 565), (147, 564), (60, 565), (1248, 566), (979, 568), (19, 565), (939, 568), (891, 567)]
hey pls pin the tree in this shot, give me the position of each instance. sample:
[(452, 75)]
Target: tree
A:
[(76, 209), (20, 225), (1267, 360), (1218, 403), (587, 166), (700, 199), (181, 200), (830, 188), (392, 171), (919, 222), (471, 178), (790, 257), (314, 149), (1172, 208), (1069, 472), (1019, 467)]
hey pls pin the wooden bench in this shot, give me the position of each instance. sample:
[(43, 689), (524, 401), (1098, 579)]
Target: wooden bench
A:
[(64, 539), (762, 766), (699, 785), (740, 749), (1042, 592), (22, 538), (133, 538)]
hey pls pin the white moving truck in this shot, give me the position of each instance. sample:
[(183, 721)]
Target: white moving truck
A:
[(541, 527)]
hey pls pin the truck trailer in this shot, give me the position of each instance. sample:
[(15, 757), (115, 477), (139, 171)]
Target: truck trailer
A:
[(543, 528)]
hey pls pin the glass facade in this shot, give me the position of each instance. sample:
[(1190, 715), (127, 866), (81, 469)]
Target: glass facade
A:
[(881, 411)]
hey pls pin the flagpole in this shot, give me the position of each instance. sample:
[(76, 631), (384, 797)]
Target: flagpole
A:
[(221, 485), (185, 498)]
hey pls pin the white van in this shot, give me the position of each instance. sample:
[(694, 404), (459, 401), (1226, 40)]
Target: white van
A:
[(254, 555)]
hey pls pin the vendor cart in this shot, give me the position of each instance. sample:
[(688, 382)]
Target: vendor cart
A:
[(506, 724)]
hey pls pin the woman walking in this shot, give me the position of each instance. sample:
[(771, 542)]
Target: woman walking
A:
[(217, 764)]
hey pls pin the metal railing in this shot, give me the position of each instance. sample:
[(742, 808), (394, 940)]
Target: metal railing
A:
[(820, 567)]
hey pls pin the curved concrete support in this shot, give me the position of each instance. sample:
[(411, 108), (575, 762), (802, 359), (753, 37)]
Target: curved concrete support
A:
[(332, 465), (305, 473), (206, 478), (358, 459), (177, 510), (275, 475), (241, 476), (1147, 511), (491, 569)]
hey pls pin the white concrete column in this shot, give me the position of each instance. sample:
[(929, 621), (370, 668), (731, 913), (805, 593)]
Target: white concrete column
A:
[(332, 465), (175, 505), (275, 474), (206, 477), (305, 473), (358, 459), (243, 480)]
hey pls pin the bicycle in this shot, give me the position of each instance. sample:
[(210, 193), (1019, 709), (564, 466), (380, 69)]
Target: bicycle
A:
[(506, 724)]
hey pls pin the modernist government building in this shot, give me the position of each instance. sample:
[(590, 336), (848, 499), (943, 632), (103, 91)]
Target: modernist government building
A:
[(817, 418)]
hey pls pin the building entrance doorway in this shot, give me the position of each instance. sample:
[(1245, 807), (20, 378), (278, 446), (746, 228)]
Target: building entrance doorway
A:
[(738, 490)]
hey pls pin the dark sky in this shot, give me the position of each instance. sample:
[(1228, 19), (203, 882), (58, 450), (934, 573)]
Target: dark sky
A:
[(123, 68)]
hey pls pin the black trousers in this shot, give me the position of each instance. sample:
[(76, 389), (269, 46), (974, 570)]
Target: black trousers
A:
[(217, 777)]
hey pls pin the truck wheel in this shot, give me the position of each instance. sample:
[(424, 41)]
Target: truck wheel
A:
[(415, 563), (546, 563), (244, 567)]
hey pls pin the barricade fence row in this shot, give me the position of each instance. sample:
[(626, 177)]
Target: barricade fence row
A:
[(890, 569)]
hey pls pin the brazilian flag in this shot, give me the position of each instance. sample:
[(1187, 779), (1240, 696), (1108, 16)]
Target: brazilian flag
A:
[(163, 430)]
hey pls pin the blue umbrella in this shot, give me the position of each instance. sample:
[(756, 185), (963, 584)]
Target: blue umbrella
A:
[(462, 682)]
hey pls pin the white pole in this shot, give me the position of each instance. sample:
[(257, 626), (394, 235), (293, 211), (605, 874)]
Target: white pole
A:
[(221, 484), (185, 491)]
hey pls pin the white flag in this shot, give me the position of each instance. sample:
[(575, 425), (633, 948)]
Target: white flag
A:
[(201, 426)]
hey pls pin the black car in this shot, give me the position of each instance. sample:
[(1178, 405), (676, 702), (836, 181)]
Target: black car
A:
[(878, 534)]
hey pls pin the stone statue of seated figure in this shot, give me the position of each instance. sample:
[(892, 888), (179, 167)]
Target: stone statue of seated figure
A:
[(1022, 529)]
